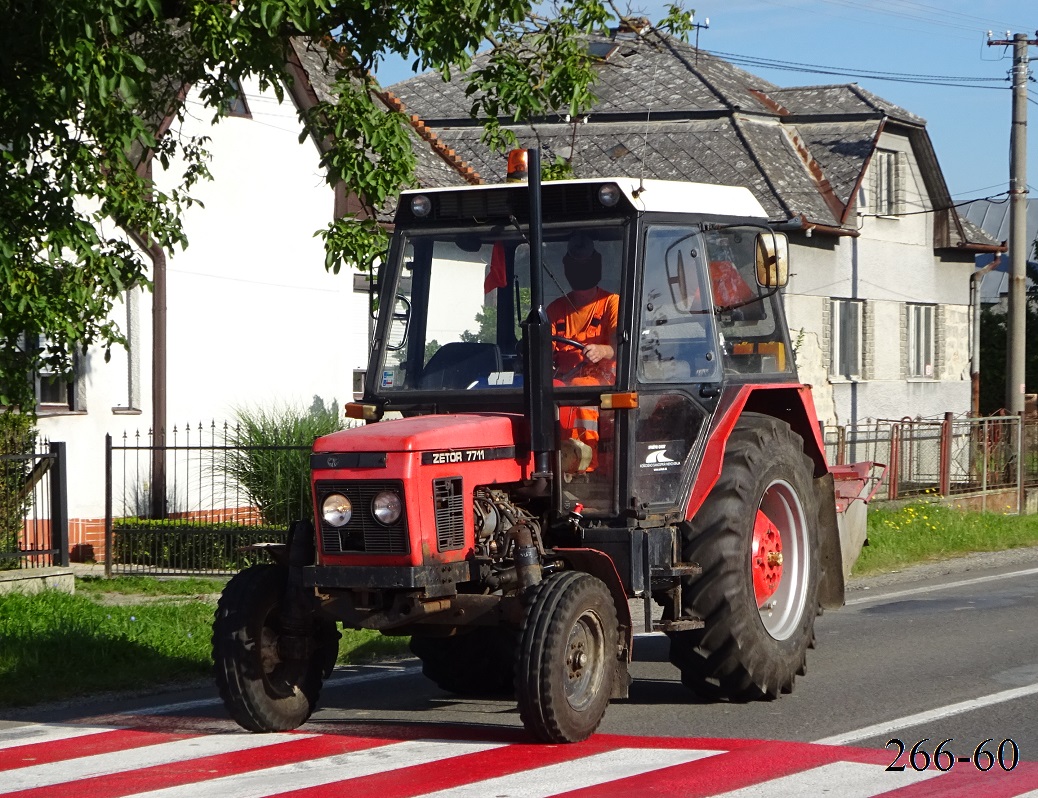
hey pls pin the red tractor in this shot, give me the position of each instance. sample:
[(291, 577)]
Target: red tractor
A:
[(551, 444)]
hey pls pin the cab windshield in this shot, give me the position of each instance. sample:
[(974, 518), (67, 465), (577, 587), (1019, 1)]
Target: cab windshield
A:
[(458, 298)]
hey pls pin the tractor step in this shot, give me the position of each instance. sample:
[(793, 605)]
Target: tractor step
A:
[(677, 569), (680, 625)]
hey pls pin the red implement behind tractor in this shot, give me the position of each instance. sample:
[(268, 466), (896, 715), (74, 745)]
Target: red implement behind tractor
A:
[(571, 414)]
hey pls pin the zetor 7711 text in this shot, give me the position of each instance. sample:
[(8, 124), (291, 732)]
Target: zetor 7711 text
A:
[(584, 393)]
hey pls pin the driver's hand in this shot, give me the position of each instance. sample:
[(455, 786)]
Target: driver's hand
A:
[(598, 352)]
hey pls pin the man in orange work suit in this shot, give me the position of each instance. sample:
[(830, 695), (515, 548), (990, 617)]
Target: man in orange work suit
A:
[(586, 315)]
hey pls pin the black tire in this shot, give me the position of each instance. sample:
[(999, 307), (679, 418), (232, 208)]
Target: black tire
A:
[(478, 662), (747, 650), (566, 659), (262, 692)]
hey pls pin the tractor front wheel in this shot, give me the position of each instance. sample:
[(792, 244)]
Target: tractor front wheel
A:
[(567, 657), (756, 540), (263, 691)]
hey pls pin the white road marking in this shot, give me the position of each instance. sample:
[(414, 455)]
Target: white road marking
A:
[(35, 733), (915, 591), (575, 774), (845, 779), (930, 715), (86, 767), (319, 772)]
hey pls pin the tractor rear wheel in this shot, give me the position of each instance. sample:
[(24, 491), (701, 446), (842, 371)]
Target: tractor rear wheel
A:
[(479, 662), (262, 691), (756, 540), (567, 656)]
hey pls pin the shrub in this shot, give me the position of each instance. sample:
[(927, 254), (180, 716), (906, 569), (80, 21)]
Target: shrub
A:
[(17, 437), (269, 457)]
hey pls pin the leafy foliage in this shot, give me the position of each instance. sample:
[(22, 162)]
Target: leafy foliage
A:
[(89, 89), (17, 437)]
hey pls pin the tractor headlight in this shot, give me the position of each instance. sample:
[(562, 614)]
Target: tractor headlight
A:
[(387, 507), (337, 510)]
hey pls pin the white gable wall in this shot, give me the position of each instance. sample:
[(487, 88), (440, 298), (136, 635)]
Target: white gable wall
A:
[(889, 265), (253, 318)]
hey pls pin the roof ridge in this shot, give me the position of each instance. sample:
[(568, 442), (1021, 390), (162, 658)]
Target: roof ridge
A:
[(451, 157)]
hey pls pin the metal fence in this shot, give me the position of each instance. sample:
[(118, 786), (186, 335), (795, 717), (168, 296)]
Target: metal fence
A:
[(34, 508), (943, 457), (192, 503)]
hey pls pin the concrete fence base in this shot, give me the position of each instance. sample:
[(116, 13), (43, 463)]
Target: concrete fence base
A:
[(34, 580)]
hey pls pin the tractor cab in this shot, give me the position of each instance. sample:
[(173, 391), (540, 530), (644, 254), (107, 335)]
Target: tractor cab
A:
[(683, 302)]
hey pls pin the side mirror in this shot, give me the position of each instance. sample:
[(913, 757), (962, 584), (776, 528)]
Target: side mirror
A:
[(398, 324), (772, 256)]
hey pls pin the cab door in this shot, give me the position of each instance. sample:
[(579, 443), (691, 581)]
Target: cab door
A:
[(677, 365)]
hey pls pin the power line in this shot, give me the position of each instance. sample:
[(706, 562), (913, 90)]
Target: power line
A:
[(962, 82)]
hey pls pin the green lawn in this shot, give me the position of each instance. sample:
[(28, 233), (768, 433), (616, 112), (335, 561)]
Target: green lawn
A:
[(924, 532)]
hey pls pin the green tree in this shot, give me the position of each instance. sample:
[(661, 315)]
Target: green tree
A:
[(993, 337), (86, 84)]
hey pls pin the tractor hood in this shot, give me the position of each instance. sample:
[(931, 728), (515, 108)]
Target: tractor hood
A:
[(424, 433)]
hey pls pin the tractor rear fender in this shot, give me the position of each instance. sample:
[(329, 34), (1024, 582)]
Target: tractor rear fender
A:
[(794, 405)]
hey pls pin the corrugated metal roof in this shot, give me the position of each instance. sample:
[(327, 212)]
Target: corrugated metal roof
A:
[(993, 218)]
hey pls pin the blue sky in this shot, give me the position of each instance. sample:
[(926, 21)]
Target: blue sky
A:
[(969, 126)]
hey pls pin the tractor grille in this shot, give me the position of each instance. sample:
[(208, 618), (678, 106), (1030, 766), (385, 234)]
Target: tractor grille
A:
[(450, 513), (363, 533)]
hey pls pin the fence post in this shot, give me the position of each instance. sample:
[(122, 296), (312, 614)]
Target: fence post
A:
[(109, 549), (1020, 493), (59, 504), (944, 468), (894, 468)]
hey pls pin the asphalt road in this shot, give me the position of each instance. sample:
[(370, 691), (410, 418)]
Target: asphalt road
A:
[(911, 644), (944, 651)]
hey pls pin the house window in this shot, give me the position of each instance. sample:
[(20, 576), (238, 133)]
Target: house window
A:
[(888, 182), (921, 341), (55, 390), (846, 339), (235, 103)]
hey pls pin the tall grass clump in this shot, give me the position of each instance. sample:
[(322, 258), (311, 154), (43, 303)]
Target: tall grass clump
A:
[(17, 437), (922, 532), (270, 457)]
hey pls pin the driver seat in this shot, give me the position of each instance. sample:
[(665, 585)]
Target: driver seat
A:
[(459, 364)]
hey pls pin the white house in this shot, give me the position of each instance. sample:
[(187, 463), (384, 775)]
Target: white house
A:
[(252, 316)]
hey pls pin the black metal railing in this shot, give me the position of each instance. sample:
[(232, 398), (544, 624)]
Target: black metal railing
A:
[(193, 503), (34, 508)]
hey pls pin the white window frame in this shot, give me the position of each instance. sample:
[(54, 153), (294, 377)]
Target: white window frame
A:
[(848, 330), (889, 172), (922, 334)]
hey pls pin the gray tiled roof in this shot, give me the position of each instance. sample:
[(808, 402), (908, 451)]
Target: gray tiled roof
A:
[(431, 169), (667, 111), (845, 99)]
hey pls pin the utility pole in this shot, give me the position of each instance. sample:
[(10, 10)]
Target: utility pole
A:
[(1017, 321)]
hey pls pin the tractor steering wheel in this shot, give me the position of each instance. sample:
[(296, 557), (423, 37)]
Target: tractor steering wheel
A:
[(569, 341)]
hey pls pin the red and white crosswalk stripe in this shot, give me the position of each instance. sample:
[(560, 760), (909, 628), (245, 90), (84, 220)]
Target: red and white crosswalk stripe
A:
[(174, 758)]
